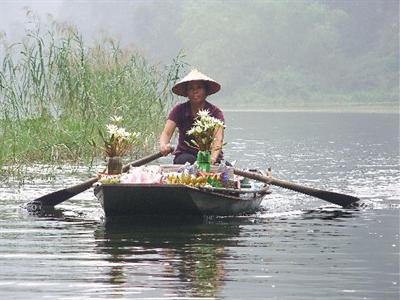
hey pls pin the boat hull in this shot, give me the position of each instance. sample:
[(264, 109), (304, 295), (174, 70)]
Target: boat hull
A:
[(174, 200)]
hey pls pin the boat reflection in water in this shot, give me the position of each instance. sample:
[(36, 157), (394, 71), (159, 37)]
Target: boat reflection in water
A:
[(174, 260)]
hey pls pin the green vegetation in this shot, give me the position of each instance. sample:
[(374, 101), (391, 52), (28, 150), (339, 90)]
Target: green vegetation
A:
[(56, 93), (297, 53)]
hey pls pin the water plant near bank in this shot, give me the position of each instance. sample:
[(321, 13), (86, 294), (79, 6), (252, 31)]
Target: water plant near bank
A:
[(56, 91)]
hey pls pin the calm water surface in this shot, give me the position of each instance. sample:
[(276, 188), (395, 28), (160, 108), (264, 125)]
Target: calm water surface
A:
[(298, 247)]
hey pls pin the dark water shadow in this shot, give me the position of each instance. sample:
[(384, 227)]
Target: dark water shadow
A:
[(330, 213), (51, 213), (45, 212)]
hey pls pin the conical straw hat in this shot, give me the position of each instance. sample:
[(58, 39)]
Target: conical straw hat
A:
[(180, 87)]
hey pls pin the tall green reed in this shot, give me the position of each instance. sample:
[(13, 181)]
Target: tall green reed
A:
[(56, 92)]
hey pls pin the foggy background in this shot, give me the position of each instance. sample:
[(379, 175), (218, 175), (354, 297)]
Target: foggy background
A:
[(269, 54)]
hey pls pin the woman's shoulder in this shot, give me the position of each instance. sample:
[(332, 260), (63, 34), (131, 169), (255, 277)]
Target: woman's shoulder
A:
[(178, 112), (181, 106)]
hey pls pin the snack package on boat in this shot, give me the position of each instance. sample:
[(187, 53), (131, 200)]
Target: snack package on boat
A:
[(109, 178), (143, 174)]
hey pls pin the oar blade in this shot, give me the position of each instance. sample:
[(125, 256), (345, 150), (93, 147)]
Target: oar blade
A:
[(332, 197), (343, 200), (48, 200), (54, 198)]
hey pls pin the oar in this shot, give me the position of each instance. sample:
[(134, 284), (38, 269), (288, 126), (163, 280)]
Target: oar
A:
[(332, 197), (57, 197)]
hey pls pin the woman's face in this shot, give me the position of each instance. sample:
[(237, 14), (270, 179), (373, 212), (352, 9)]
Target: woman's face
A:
[(196, 91)]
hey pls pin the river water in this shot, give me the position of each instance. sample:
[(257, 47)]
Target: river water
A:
[(297, 247)]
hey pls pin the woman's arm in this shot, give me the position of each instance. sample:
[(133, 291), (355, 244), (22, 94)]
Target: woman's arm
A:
[(165, 137), (217, 144)]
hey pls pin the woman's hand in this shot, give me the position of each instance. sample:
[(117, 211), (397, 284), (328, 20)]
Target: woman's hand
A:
[(165, 149)]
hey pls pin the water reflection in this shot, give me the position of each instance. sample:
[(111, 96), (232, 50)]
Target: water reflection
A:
[(190, 255)]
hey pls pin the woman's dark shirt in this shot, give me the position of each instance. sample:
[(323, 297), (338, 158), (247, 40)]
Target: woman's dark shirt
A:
[(181, 114)]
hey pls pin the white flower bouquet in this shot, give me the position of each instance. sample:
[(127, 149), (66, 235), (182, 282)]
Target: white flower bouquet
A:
[(118, 141), (204, 130)]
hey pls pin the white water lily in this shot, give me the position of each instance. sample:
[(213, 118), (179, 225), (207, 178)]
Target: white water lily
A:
[(122, 133), (112, 129), (203, 113)]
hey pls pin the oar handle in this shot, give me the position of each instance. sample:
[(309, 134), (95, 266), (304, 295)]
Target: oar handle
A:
[(252, 175)]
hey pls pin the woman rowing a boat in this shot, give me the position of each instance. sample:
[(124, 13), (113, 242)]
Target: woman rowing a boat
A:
[(196, 87)]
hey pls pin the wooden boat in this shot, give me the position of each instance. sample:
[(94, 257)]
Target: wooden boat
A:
[(176, 200)]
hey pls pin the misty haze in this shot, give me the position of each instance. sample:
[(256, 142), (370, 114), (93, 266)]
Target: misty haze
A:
[(335, 55)]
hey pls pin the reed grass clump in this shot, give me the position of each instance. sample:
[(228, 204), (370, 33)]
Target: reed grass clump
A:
[(56, 92)]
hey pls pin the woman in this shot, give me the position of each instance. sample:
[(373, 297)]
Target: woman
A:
[(196, 87)]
